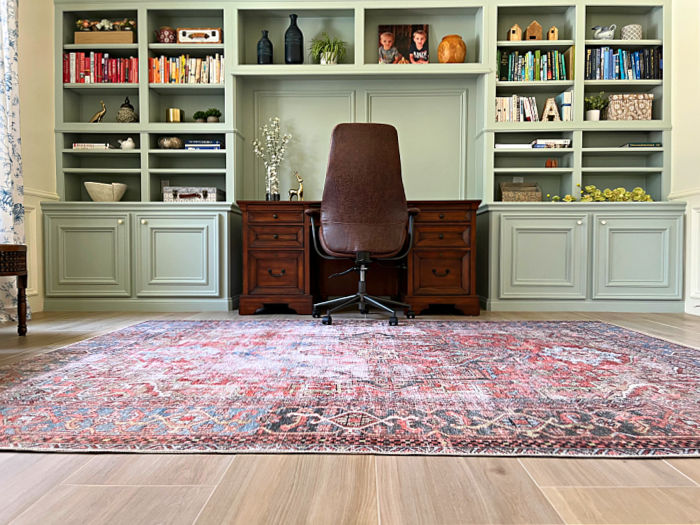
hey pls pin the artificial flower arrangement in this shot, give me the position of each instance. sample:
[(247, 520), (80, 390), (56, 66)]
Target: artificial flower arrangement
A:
[(271, 149), (84, 24), (593, 194)]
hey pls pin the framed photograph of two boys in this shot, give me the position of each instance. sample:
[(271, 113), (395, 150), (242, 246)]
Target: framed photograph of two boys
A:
[(403, 44)]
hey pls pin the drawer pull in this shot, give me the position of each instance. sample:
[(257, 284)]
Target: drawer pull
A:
[(579, 223), (281, 274), (438, 274), (275, 216), (275, 236), (603, 222), (144, 221), (442, 215), (441, 236), (120, 221)]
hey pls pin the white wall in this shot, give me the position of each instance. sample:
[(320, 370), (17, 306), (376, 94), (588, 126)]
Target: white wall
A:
[(685, 161), (36, 90)]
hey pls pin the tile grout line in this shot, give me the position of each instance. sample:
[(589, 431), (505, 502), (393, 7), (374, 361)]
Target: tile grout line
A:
[(376, 490), (681, 472), (556, 511), (213, 490)]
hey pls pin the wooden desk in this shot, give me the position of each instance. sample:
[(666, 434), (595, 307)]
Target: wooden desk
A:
[(13, 261), (281, 267)]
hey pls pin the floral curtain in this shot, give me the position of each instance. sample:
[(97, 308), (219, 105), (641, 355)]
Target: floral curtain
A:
[(11, 186)]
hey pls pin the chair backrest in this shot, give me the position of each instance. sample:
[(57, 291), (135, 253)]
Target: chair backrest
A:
[(364, 205)]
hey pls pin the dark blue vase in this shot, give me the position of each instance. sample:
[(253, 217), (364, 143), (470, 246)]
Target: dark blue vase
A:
[(293, 43), (264, 49)]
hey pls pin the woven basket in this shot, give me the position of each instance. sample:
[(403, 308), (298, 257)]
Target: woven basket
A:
[(520, 192), (634, 106)]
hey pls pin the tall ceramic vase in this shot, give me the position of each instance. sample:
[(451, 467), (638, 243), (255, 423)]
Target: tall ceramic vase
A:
[(264, 49), (293, 43)]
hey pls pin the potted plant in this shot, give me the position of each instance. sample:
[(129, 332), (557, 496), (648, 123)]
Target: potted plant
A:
[(327, 50), (199, 116), (213, 115), (594, 105)]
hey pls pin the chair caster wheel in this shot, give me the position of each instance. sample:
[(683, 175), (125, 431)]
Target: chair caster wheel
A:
[(327, 320), (364, 310), (315, 314), (410, 314), (393, 321)]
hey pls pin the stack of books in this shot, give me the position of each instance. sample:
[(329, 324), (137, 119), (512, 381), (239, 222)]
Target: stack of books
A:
[(535, 65), (605, 63), (551, 143), (186, 70), (90, 145), (516, 109), (565, 102), (202, 144), (98, 68)]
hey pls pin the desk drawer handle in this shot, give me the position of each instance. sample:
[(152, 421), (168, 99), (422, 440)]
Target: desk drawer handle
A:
[(441, 236), (275, 236), (281, 274), (442, 215), (438, 274), (275, 216)]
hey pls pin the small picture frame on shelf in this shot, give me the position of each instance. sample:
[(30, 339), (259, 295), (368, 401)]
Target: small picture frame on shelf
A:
[(403, 44), (199, 35)]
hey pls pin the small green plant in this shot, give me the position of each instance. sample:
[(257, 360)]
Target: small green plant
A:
[(599, 102), (212, 112), (199, 115), (328, 47)]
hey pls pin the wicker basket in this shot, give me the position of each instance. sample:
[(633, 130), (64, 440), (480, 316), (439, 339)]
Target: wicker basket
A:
[(634, 106), (520, 192)]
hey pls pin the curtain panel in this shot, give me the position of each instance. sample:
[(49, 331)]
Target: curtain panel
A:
[(11, 185)]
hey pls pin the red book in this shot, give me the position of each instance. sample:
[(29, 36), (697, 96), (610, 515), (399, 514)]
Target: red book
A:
[(66, 68)]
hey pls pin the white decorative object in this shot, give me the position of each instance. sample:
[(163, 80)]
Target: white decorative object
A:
[(604, 32), (192, 194), (127, 144), (593, 114), (101, 192), (631, 32), (328, 58)]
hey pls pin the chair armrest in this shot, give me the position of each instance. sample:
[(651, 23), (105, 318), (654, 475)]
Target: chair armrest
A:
[(312, 211), (413, 211)]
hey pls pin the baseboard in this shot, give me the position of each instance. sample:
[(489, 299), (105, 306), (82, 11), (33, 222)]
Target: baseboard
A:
[(140, 305), (641, 306)]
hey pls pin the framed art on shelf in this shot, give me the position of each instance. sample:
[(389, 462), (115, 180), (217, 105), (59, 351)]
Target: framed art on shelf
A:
[(403, 44)]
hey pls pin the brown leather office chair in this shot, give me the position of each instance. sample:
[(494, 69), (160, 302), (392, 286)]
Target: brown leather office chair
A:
[(363, 213)]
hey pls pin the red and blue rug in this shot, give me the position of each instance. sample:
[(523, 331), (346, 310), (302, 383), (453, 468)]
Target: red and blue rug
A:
[(426, 387)]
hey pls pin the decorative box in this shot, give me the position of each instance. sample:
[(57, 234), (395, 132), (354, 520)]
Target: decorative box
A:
[(201, 35), (633, 106), (104, 37), (520, 192), (192, 194)]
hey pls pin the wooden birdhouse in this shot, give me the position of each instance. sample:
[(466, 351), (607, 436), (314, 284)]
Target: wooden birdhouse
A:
[(533, 31), (553, 33), (515, 33)]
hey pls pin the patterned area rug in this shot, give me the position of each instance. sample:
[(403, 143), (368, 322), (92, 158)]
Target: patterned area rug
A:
[(426, 387)]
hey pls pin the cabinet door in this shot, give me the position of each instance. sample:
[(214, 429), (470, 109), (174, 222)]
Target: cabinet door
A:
[(87, 255), (637, 256), (178, 255), (543, 256)]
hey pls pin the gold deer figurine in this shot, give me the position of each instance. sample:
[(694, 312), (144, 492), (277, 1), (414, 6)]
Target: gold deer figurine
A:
[(299, 192), (97, 117)]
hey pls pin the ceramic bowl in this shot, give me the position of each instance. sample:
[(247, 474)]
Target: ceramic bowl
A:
[(100, 192)]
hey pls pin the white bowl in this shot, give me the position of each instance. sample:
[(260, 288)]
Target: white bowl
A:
[(100, 192)]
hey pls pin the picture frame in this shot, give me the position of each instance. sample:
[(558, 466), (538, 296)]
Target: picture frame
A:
[(199, 35), (403, 44)]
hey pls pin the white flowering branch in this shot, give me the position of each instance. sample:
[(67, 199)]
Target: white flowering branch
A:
[(271, 149)]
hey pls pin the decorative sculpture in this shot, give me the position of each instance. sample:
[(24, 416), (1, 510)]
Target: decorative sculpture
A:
[(97, 117), (515, 33), (553, 33), (299, 192), (533, 31), (551, 112)]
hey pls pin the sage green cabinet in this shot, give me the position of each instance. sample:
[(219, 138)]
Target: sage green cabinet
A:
[(178, 255), (88, 257), (547, 256), (637, 256)]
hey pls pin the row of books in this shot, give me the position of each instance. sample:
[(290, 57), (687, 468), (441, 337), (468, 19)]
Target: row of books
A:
[(90, 145), (524, 109), (97, 68), (203, 145), (186, 70), (535, 65), (605, 63), (537, 144)]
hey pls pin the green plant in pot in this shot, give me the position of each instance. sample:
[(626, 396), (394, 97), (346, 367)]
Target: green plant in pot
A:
[(199, 116), (327, 50), (594, 105), (213, 115)]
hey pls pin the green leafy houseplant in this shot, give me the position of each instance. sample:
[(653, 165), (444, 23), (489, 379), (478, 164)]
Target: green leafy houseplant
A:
[(213, 112), (599, 102), (200, 115), (327, 50)]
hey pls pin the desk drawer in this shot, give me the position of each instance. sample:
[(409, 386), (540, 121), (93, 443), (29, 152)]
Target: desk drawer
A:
[(271, 272), (276, 236), (429, 215), (275, 216), (447, 236), (441, 272)]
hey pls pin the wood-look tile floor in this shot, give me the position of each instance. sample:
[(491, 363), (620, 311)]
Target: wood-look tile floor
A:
[(333, 489)]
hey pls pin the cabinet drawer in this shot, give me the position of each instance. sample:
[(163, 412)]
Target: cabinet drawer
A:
[(275, 216), (448, 236), (271, 272), (443, 216), (275, 236), (441, 272)]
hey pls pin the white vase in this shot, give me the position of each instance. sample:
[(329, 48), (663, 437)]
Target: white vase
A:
[(593, 114), (328, 58)]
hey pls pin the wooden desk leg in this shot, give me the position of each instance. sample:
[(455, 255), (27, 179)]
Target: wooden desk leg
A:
[(22, 304)]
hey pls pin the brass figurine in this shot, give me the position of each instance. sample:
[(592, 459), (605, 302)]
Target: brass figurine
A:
[(97, 117), (299, 192)]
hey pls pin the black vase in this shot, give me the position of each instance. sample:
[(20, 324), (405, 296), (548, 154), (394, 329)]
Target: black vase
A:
[(293, 43), (264, 49)]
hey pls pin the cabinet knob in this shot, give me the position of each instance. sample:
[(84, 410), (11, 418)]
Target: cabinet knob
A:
[(441, 236), (603, 222), (281, 274), (144, 221), (579, 223), (120, 221), (275, 236), (275, 216), (442, 215)]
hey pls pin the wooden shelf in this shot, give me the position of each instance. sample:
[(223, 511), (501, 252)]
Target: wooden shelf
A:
[(188, 171), (535, 44), (101, 47), (183, 48), (624, 43), (627, 83), (533, 151), (352, 70), (540, 170), (176, 152), (534, 85), (115, 151), (622, 170), (102, 171), (624, 151)]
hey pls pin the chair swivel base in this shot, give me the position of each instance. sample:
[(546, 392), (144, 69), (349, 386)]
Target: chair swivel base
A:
[(363, 301)]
